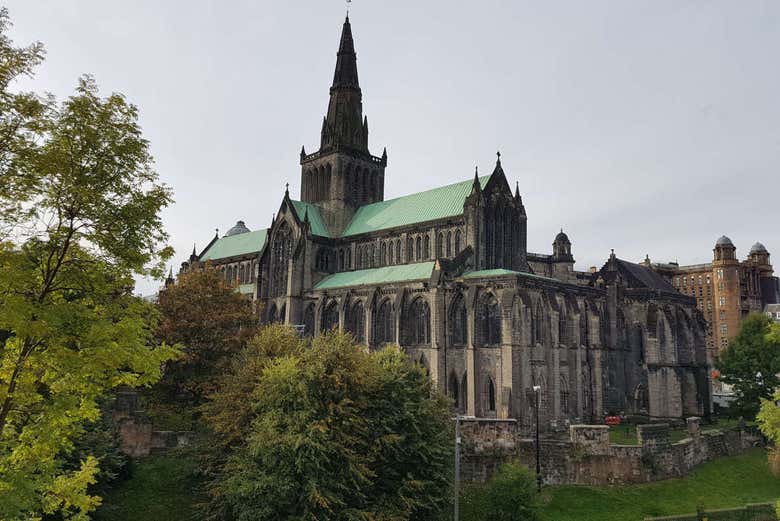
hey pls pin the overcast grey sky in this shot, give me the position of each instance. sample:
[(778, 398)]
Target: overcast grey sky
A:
[(644, 126)]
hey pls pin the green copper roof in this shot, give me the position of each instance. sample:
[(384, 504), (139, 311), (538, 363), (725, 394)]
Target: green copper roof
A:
[(240, 244), (498, 272), (489, 273), (439, 203), (315, 219), (386, 275)]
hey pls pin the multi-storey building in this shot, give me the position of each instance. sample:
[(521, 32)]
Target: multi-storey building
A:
[(445, 274), (727, 289)]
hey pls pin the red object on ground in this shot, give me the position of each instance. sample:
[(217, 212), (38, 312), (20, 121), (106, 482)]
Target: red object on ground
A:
[(613, 420), (715, 374)]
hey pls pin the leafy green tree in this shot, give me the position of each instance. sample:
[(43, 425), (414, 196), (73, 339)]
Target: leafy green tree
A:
[(213, 322), (20, 118), (511, 495), (230, 410), (80, 213), (751, 364), (335, 432)]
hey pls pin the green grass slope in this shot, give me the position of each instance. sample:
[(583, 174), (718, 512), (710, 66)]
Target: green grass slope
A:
[(160, 488), (723, 483)]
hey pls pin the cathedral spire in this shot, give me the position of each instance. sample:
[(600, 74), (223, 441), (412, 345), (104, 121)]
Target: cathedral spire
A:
[(344, 125), (346, 61)]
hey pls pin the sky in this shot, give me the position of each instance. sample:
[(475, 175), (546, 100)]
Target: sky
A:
[(651, 127)]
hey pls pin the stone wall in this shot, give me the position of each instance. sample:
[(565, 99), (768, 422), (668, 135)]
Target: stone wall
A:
[(586, 456), (758, 512), (137, 437)]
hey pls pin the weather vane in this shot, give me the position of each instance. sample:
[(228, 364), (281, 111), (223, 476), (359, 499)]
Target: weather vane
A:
[(348, 3)]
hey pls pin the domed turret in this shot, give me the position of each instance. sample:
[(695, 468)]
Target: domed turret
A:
[(238, 229), (724, 249), (562, 238), (724, 241), (758, 248), (562, 247)]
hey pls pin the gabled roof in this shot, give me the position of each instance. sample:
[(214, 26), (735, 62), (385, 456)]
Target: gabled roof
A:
[(315, 219), (231, 246), (647, 277), (373, 276), (439, 203)]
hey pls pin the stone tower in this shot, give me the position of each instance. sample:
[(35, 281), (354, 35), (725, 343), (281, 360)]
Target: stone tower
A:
[(343, 175)]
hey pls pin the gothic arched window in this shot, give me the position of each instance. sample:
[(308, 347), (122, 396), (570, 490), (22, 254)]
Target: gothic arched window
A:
[(398, 251), (563, 336), (409, 249), (564, 396), (418, 323), (383, 254), (538, 326), (356, 323), (457, 242), (308, 321), (490, 394), (440, 245), (384, 324), (281, 253), (390, 250), (458, 322), (426, 247), (585, 327), (454, 392), (330, 317), (449, 244), (489, 320), (419, 248)]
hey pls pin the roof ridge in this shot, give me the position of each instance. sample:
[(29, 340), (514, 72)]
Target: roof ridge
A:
[(481, 178)]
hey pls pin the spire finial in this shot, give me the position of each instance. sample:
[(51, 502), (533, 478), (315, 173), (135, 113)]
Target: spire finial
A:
[(498, 157), (216, 232), (286, 189), (193, 249)]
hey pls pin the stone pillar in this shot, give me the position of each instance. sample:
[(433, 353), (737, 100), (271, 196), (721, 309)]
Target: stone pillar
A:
[(438, 337), (471, 362), (504, 377), (694, 426)]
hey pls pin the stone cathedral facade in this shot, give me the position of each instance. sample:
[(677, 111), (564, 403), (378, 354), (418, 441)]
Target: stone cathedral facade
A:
[(445, 274)]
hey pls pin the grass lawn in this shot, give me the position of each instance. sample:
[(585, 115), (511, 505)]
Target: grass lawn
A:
[(161, 488), (723, 483)]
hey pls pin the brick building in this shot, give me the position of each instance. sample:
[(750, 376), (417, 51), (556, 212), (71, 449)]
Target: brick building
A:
[(446, 275), (727, 289)]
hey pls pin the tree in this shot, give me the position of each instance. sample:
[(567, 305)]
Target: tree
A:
[(20, 115), (509, 496), (335, 432), (751, 364), (205, 314), (80, 209)]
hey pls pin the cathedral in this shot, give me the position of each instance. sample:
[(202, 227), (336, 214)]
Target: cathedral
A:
[(445, 274)]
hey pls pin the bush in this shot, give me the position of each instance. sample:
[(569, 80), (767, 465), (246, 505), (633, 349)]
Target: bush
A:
[(510, 496), (329, 432)]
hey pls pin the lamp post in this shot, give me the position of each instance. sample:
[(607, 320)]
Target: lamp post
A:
[(458, 418), (537, 396)]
